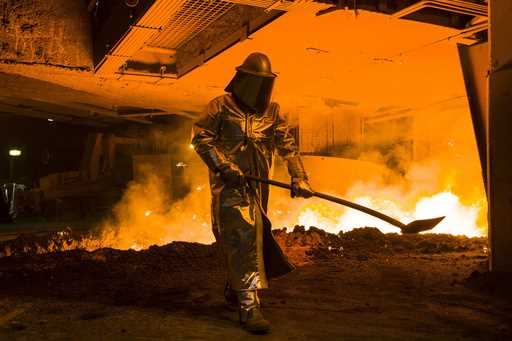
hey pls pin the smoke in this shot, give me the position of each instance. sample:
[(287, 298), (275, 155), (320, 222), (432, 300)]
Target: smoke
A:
[(436, 174), (168, 199), (145, 216), (441, 177), (429, 189)]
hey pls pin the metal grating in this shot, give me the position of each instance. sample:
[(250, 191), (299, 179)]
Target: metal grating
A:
[(282, 5), (453, 6), (168, 24), (189, 20), (152, 22)]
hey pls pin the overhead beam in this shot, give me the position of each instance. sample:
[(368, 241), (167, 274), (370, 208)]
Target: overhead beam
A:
[(6, 109), (48, 98)]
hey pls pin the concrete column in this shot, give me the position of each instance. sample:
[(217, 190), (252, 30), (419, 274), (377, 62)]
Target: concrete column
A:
[(499, 165)]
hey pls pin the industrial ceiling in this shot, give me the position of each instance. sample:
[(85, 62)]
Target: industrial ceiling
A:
[(169, 57)]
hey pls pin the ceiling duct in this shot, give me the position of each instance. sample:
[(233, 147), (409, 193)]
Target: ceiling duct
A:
[(190, 19), (166, 24), (143, 39), (150, 24), (452, 13)]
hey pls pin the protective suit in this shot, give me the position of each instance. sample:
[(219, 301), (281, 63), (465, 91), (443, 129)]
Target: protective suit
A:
[(239, 134)]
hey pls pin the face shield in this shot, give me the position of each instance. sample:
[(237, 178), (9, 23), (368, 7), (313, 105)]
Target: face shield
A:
[(251, 91)]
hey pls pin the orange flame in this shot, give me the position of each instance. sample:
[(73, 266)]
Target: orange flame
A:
[(460, 219)]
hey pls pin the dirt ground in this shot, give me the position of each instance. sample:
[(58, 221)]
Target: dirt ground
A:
[(361, 285)]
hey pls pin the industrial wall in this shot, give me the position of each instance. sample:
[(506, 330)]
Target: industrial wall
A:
[(346, 132), (55, 32), (47, 147)]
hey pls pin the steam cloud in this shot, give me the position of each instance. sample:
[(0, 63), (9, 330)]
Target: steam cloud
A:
[(446, 181)]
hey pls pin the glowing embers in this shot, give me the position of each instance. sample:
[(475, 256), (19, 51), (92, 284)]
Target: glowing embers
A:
[(136, 247), (145, 216)]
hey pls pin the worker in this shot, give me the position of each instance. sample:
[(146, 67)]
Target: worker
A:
[(238, 134)]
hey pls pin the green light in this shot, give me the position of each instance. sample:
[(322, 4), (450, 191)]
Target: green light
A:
[(14, 152)]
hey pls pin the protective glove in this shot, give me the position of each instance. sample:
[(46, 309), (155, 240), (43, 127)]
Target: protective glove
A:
[(232, 175), (301, 188)]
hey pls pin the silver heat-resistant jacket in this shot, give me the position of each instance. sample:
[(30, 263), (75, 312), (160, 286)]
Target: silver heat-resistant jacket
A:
[(227, 134)]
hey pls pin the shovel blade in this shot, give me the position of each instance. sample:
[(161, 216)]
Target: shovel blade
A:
[(421, 225)]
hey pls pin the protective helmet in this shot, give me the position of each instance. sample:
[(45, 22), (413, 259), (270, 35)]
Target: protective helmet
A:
[(253, 83), (257, 64)]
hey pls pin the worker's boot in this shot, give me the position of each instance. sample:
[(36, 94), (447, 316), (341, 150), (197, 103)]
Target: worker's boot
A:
[(231, 297), (250, 313)]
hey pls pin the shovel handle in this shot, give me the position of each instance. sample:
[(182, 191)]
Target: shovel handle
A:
[(334, 199)]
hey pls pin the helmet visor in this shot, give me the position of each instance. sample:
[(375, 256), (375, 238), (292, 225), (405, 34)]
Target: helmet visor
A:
[(253, 92)]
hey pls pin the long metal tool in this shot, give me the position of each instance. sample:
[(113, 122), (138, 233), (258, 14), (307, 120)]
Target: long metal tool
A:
[(413, 227)]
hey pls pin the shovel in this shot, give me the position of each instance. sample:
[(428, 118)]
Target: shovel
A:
[(413, 227)]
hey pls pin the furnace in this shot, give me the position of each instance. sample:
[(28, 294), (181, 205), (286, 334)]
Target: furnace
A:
[(398, 110)]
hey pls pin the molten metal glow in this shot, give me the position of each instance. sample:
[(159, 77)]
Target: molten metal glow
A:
[(136, 247), (460, 219)]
